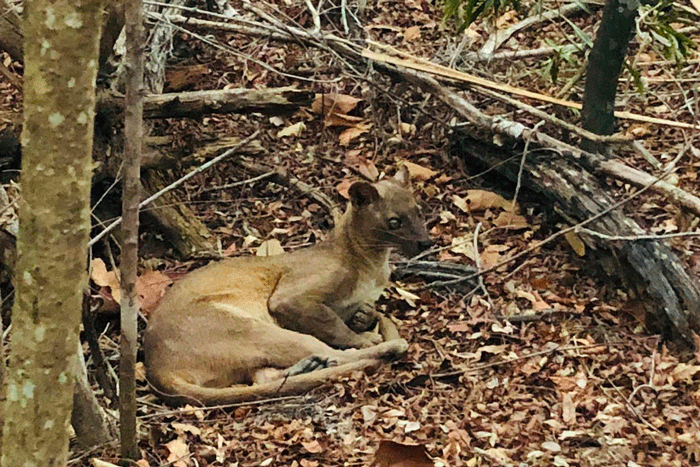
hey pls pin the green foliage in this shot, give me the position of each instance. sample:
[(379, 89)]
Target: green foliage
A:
[(663, 21), (553, 64), (636, 76), (465, 12)]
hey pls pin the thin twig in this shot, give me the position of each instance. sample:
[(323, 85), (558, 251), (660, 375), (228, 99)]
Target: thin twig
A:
[(242, 182)]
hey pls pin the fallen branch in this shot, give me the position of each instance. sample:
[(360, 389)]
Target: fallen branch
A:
[(500, 36), (175, 184), (197, 103), (580, 197)]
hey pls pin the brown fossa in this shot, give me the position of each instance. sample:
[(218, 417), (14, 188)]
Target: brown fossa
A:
[(253, 327)]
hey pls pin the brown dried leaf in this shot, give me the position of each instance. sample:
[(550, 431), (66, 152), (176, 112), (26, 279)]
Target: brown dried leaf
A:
[(179, 452), (344, 187), (363, 165), (271, 247), (411, 33), (336, 119), (347, 136), (418, 172), (292, 130), (492, 255), (333, 103), (481, 200), (511, 220), (568, 409), (314, 447), (393, 454), (104, 278), (576, 243), (150, 287)]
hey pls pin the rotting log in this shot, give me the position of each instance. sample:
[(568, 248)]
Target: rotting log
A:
[(570, 180), (10, 31), (180, 226)]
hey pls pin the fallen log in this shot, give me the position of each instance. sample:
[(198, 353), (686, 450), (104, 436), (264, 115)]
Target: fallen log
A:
[(569, 179), (197, 103)]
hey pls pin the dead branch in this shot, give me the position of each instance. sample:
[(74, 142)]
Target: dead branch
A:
[(579, 195), (193, 104), (500, 36), (175, 184), (198, 103)]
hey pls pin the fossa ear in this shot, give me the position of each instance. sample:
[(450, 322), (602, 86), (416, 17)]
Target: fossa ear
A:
[(362, 194), (403, 177)]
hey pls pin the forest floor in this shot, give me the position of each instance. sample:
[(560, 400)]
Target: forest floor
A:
[(549, 362)]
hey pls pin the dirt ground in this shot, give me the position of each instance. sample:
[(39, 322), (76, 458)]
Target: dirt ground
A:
[(550, 361)]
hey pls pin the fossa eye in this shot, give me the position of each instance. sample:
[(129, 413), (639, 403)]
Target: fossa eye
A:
[(394, 223)]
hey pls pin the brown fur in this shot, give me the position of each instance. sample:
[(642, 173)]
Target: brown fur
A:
[(265, 321)]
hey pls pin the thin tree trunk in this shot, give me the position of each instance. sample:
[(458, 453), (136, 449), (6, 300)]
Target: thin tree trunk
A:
[(59, 100), (604, 67), (133, 132)]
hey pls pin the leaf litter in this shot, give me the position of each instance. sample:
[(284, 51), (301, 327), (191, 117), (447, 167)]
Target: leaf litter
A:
[(555, 366)]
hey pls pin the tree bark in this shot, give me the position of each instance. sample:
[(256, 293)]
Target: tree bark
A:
[(60, 72), (197, 103), (10, 31), (133, 136), (604, 67), (89, 420)]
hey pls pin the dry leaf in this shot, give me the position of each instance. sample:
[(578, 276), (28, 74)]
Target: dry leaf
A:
[(492, 255), (418, 172), (411, 427), (460, 327), (696, 4), (140, 371), (568, 409), (576, 243), (407, 128), (271, 247), (344, 187), (551, 446), (368, 414), (363, 165), (411, 33), (313, 446), (150, 287), (461, 203), (347, 136), (393, 454), (342, 120), (179, 452), (104, 278), (292, 130), (481, 200), (100, 463), (142, 463), (409, 297), (511, 220), (186, 428), (464, 246), (333, 103)]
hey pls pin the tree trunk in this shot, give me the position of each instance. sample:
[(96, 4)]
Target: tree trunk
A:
[(59, 99), (133, 136), (604, 67)]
